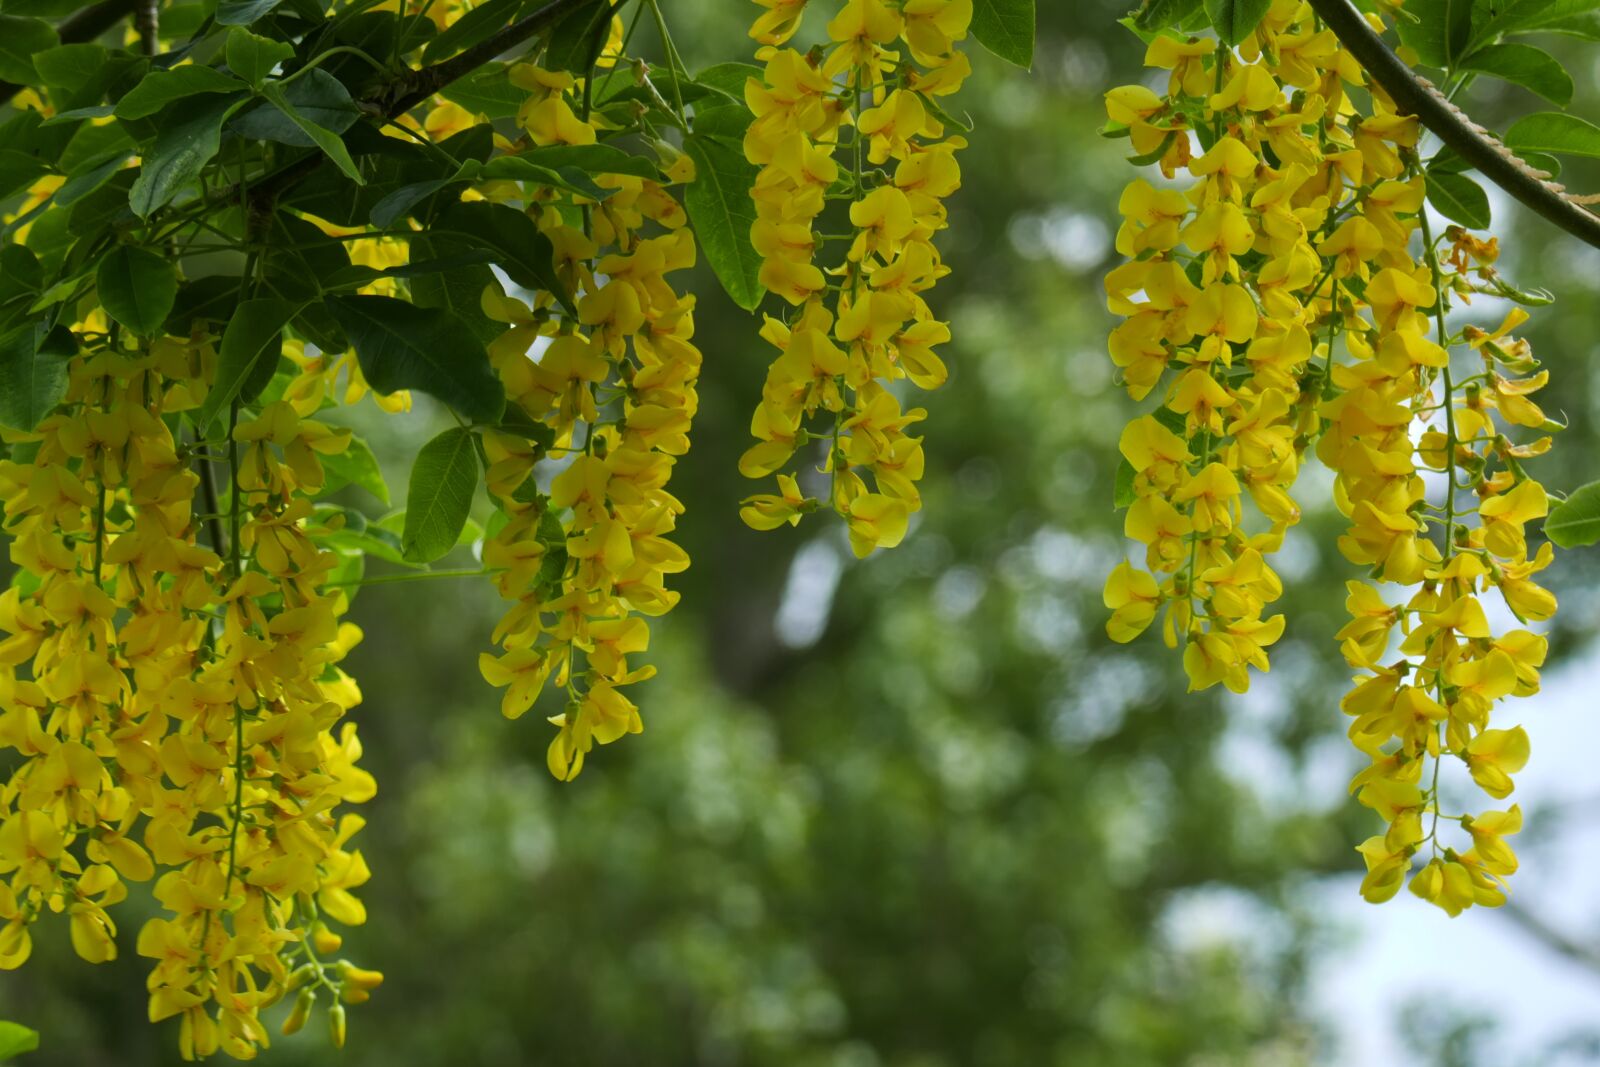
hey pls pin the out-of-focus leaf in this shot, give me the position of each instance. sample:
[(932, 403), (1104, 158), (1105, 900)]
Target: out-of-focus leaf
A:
[(16, 1039), (243, 12), (20, 40), (69, 66)]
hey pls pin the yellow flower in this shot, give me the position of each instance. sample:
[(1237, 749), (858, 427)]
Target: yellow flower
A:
[(1504, 516), (876, 521), (1494, 756), (1133, 598)]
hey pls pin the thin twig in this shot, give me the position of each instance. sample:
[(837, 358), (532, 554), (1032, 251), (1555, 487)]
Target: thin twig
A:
[(1548, 935), (147, 21), (412, 88), (1470, 141)]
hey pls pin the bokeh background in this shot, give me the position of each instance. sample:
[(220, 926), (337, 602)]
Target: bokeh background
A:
[(919, 811)]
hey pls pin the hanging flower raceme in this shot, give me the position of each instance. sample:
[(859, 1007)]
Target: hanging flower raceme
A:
[(1292, 294), (581, 542), (178, 711), (859, 123)]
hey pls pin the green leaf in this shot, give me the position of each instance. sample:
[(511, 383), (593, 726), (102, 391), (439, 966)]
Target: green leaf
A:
[(401, 346), (487, 91), (1576, 521), (1156, 15), (48, 9), (375, 541), (1458, 198), (521, 250), (137, 288), (726, 123), (398, 204), (1171, 420), (317, 96), (1122, 494), (729, 78), (1234, 20), (70, 66), (1585, 27), (719, 206), (252, 344), (1005, 27), (161, 87), (577, 39), (572, 179), (325, 138), (243, 12), (33, 377), (18, 169), (19, 267), (92, 144), (16, 1039), (1522, 64), (252, 57), (475, 26), (1528, 16), (20, 40), (594, 158), (443, 481), (459, 289), (191, 133), (355, 466), (1439, 30), (1552, 131)]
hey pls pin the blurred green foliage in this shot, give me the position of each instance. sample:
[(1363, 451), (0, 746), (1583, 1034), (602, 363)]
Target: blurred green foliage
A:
[(928, 818)]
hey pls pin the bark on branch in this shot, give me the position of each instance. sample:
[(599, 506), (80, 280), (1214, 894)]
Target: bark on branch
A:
[(1469, 140), (410, 89)]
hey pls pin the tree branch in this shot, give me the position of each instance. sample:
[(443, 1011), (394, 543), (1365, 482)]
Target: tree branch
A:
[(147, 20), (415, 86), (82, 26), (421, 84), (1469, 140), (1553, 938)]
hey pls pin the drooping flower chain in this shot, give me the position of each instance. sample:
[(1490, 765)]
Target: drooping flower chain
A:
[(1305, 225), (872, 96), (585, 561), (178, 713)]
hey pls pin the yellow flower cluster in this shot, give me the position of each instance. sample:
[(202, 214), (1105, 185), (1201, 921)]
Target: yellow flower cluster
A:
[(1303, 224), (175, 705), (873, 98), (584, 557)]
